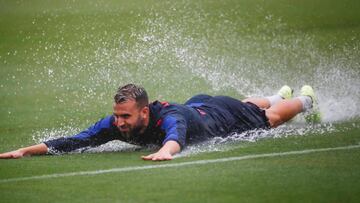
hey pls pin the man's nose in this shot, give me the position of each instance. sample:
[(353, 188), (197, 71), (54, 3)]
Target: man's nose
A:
[(119, 122)]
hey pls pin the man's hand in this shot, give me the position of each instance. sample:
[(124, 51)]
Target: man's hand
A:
[(165, 153), (12, 155), (158, 156)]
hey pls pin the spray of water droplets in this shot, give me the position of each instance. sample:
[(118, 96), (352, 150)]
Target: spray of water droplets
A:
[(227, 143), (192, 52)]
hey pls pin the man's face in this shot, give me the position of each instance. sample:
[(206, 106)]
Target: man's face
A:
[(129, 118)]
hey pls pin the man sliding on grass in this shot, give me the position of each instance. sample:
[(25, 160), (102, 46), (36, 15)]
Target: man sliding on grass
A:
[(172, 126)]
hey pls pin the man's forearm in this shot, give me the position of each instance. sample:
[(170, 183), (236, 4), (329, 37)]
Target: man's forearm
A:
[(34, 150), (26, 151)]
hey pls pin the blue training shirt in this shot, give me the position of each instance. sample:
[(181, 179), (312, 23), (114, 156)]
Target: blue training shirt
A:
[(199, 118)]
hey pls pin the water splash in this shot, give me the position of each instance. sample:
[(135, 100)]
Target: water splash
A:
[(219, 54), (227, 143), (214, 144), (112, 146), (190, 52), (48, 134)]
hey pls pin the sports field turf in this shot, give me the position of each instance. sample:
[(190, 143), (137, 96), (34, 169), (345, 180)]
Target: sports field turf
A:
[(61, 62)]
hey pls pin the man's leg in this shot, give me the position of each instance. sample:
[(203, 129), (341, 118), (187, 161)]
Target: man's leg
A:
[(283, 111), (287, 109), (258, 101), (266, 102)]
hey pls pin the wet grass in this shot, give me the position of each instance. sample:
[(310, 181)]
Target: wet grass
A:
[(61, 61), (321, 176)]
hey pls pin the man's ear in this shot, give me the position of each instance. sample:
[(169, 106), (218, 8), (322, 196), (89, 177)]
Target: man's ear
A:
[(145, 111)]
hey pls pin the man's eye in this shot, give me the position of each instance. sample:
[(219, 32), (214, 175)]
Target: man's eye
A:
[(124, 116)]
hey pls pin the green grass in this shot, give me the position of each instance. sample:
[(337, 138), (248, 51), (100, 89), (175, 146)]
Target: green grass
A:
[(292, 178), (61, 62)]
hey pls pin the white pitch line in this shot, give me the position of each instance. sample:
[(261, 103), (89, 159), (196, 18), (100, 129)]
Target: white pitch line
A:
[(199, 162)]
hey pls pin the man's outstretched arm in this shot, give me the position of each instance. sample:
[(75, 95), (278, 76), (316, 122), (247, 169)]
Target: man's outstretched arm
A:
[(165, 153), (26, 151), (175, 128)]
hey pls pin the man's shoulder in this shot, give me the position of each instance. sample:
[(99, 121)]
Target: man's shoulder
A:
[(164, 106), (105, 122), (163, 109)]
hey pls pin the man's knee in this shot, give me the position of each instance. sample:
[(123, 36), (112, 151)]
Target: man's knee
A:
[(274, 118)]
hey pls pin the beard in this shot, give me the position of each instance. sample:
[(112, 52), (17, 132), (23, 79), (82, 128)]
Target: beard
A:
[(137, 129)]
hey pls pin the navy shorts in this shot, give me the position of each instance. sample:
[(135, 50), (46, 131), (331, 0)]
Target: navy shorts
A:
[(230, 114)]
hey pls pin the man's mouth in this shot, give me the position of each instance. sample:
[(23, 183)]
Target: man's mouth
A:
[(124, 129)]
